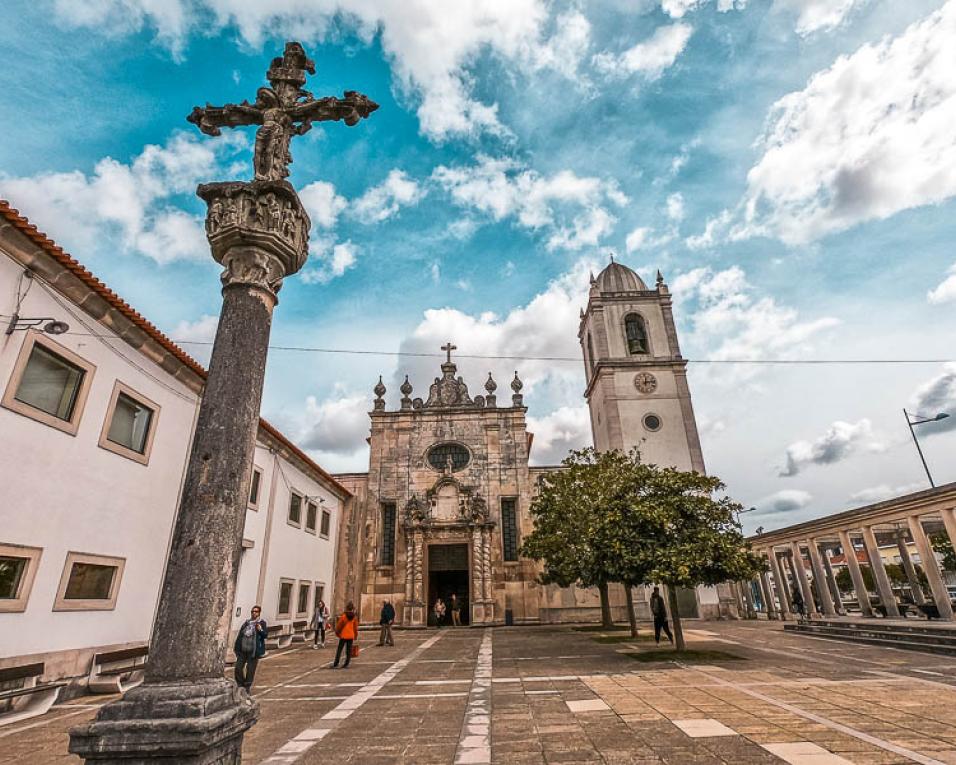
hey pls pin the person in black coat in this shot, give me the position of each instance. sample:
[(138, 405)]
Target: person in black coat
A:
[(250, 646), (659, 611), (386, 619)]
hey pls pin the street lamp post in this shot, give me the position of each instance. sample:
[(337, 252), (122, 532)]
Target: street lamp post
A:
[(920, 421)]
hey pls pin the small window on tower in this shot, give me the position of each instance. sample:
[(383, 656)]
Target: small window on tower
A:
[(388, 534), (636, 333), (591, 353)]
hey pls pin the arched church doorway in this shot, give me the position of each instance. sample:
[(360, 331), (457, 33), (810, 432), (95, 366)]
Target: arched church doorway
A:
[(447, 575)]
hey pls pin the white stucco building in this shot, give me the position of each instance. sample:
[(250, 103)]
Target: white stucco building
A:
[(95, 428)]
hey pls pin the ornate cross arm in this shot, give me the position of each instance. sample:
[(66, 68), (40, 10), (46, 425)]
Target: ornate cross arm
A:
[(210, 119), (350, 109)]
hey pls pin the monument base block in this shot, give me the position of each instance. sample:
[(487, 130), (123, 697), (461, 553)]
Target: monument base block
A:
[(188, 723)]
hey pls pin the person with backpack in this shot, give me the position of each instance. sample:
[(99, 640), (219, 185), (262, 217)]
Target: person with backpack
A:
[(659, 612), (346, 629), (319, 621), (250, 646)]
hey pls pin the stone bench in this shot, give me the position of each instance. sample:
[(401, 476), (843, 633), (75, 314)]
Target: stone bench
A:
[(302, 632), (30, 698), (277, 637), (117, 671)]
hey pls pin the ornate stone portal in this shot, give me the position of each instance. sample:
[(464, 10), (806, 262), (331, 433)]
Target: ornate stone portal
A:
[(186, 711)]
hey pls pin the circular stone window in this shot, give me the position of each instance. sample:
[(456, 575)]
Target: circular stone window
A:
[(652, 422), (440, 454)]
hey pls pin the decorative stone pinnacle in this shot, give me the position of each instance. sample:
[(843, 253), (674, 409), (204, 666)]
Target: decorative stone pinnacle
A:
[(491, 386), (660, 278), (379, 391), (516, 384), (406, 389)]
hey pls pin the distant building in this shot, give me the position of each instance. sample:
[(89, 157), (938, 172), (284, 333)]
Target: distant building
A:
[(96, 424)]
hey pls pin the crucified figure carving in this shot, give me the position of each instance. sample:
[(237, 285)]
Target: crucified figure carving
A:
[(282, 111)]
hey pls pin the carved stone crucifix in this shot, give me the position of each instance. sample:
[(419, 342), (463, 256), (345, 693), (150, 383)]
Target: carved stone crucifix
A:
[(448, 348), (282, 111)]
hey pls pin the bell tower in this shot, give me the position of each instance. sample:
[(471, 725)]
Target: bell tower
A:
[(637, 388)]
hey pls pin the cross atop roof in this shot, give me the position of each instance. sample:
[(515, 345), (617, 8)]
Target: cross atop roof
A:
[(448, 348)]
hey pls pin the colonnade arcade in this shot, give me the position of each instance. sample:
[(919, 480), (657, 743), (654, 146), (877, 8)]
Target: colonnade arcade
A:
[(808, 558)]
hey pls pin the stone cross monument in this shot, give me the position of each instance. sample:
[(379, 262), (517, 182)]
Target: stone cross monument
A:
[(187, 711)]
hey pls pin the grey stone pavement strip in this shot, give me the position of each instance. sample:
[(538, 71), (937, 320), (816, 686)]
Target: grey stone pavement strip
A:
[(474, 744), (887, 745), (293, 749)]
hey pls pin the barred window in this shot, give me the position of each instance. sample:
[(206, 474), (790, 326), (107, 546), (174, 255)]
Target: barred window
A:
[(509, 528), (439, 455), (388, 534)]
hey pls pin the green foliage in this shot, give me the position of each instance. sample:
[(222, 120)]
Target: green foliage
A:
[(944, 547), (606, 517), (845, 581)]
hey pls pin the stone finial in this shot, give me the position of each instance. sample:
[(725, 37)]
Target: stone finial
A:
[(491, 386), (379, 391), (406, 389), (660, 278), (591, 278), (516, 385), (612, 256)]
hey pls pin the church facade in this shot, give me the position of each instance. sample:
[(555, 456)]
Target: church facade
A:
[(445, 503)]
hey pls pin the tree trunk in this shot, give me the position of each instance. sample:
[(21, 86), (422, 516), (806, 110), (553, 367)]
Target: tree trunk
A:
[(631, 616), (675, 618), (606, 620)]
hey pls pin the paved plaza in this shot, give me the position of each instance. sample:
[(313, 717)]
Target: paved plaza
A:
[(748, 693)]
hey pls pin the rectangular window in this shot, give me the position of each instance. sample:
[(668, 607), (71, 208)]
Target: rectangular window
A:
[(319, 592), (12, 570), (285, 597), (326, 523), (311, 511), (89, 582), (18, 566), (302, 605), (49, 383), (295, 509), (388, 534), (130, 424), (509, 528), (254, 487)]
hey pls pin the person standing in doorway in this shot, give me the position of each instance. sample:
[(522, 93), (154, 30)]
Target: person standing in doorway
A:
[(659, 611), (387, 619), (320, 620), (439, 612), (346, 629), (455, 607), (250, 646)]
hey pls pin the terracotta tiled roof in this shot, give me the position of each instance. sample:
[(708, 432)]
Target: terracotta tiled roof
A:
[(19, 222)]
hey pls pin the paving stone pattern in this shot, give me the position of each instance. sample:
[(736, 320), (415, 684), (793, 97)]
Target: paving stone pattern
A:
[(558, 696)]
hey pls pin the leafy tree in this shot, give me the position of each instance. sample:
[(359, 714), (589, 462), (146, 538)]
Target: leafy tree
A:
[(845, 581), (944, 547)]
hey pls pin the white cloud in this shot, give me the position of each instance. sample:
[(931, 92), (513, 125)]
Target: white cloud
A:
[(337, 425), (867, 138), (841, 440), (566, 428), (677, 9), (638, 238), (384, 201), (945, 291), (431, 45), (820, 15), (650, 57), (727, 318), (197, 336), (322, 203), (883, 491), (128, 206), (936, 395), (784, 501), (675, 207), (571, 207), (329, 261)]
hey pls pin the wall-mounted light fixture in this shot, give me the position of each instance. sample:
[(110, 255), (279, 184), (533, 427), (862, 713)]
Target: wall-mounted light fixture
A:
[(46, 324)]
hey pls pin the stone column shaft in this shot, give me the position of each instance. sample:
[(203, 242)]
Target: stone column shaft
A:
[(797, 558), (859, 588), (915, 587), (780, 584), (931, 568), (409, 566), (949, 521), (820, 579), (832, 583), (768, 605), (883, 583), (486, 562)]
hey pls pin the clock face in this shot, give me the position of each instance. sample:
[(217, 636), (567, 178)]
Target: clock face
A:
[(645, 382)]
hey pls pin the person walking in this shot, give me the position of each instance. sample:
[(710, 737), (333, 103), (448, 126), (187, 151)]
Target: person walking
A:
[(250, 646), (346, 629), (439, 612), (659, 611), (320, 619), (798, 605), (455, 611), (387, 619)]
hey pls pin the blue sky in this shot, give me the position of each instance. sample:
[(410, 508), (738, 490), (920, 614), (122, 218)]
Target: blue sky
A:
[(790, 166)]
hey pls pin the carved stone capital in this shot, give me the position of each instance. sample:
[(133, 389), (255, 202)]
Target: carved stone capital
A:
[(258, 231)]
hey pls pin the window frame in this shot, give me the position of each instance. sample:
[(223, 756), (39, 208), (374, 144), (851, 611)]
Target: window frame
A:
[(285, 614), (18, 604), (388, 544), (256, 471), (317, 589), (11, 402), (308, 597), (89, 604), (119, 387), (642, 324), (288, 517), (517, 531), (325, 522), (314, 529)]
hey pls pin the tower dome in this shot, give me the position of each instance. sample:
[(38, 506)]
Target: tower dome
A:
[(619, 278)]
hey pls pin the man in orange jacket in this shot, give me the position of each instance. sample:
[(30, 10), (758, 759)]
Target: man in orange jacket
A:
[(346, 628)]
